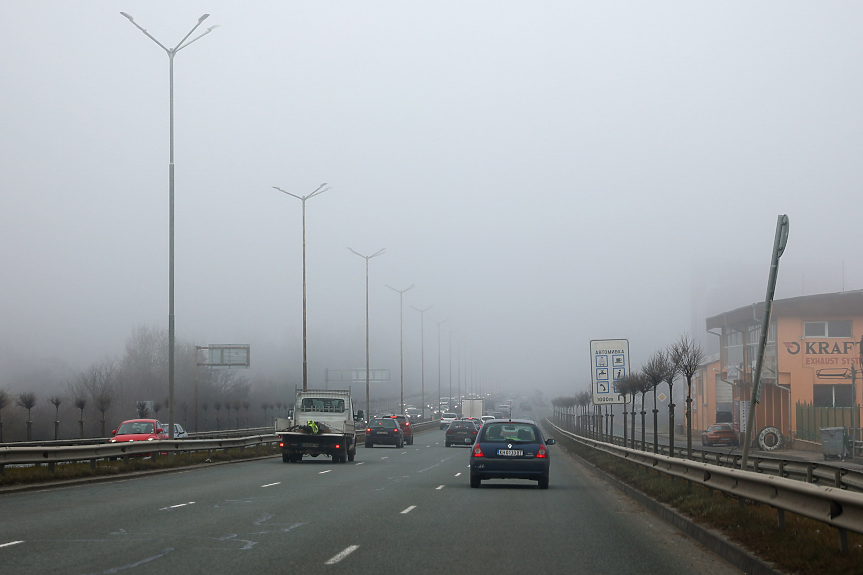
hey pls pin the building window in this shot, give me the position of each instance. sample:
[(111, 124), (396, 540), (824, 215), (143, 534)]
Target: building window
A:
[(836, 328), (831, 395)]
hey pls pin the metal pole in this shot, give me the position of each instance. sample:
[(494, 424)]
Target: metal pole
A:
[(401, 346), (449, 403), (367, 258), (423, 358), (438, 362), (171, 332), (320, 190), (779, 242)]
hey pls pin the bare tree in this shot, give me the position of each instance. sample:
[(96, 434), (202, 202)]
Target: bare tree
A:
[(236, 407), (246, 405), (5, 399), (103, 401), (672, 370), (185, 407), (265, 406), (81, 403), (654, 371), (56, 400), (688, 356), (157, 406), (279, 407), (205, 405), (142, 409), (27, 400)]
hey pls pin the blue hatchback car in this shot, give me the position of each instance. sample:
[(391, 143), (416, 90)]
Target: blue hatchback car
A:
[(510, 449)]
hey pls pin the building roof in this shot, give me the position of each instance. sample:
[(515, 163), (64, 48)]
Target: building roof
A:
[(827, 304)]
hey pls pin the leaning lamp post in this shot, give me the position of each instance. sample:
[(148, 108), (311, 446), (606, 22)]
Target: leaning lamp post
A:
[(171, 53)]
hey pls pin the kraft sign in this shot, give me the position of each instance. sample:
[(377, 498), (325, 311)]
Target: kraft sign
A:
[(823, 347)]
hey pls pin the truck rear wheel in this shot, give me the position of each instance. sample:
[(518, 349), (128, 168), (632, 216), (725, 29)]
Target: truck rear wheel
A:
[(286, 458), (352, 452)]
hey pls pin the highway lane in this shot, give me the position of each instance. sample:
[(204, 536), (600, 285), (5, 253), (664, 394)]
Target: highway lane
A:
[(410, 507)]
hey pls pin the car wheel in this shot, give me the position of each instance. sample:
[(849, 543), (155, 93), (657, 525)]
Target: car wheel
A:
[(543, 482), (352, 454), (412, 440), (446, 444), (475, 481), (286, 458), (368, 444)]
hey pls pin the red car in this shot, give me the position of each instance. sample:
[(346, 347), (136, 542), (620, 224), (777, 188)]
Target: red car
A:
[(140, 430), (720, 433), (405, 426)]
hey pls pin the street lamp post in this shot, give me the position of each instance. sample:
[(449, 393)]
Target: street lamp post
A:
[(423, 357), (367, 258), (401, 345), (320, 190), (449, 403), (171, 53), (438, 361)]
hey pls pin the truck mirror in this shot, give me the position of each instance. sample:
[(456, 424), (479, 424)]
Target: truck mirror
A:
[(360, 414)]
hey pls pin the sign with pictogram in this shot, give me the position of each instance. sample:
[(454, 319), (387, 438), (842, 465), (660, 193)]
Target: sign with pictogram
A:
[(609, 359)]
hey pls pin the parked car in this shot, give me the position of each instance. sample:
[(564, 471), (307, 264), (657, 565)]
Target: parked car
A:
[(460, 432), (385, 431), (140, 430), (179, 432), (446, 419), (720, 433), (405, 425), (510, 450)]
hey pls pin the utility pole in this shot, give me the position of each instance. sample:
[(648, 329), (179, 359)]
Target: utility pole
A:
[(449, 404), (401, 345), (171, 337), (367, 258), (320, 190), (438, 361), (423, 356)]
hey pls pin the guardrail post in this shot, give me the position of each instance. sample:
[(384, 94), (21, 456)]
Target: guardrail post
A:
[(92, 464), (51, 467), (755, 463), (808, 473), (781, 517), (838, 478), (126, 459), (843, 541), (782, 469)]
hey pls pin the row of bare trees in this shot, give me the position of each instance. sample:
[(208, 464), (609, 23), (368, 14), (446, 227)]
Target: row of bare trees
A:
[(681, 359)]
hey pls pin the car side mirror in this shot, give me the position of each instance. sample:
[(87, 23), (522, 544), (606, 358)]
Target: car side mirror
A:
[(549, 441), (360, 414), (160, 430), (114, 432)]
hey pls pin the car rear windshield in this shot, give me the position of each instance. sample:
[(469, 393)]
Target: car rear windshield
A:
[(387, 423), (449, 415), (136, 427), (462, 425), (510, 432), (322, 404), (722, 428)]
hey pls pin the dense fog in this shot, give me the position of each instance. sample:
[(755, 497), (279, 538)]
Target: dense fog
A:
[(544, 173)]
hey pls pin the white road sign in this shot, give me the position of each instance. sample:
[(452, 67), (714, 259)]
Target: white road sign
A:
[(609, 363)]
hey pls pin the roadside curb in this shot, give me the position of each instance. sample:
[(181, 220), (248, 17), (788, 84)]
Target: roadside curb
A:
[(119, 476), (728, 551)]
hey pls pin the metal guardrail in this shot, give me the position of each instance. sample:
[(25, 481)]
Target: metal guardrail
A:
[(826, 473), (99, 440), (830, 505)]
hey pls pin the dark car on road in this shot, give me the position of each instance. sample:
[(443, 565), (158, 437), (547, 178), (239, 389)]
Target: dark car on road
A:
[(384, 431), (460, 432), (510, 450)]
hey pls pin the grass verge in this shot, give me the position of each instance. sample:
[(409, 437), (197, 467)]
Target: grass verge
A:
[(805, 546), (63, 471)]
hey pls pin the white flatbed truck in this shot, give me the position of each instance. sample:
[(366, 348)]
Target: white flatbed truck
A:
[(322, 424)]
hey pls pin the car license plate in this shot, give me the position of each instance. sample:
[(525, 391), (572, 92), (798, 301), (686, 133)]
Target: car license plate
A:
[(310, 445), (510, 452), (467, 439), (380, 432)]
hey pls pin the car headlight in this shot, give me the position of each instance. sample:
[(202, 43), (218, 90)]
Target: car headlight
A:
[(150, 438)]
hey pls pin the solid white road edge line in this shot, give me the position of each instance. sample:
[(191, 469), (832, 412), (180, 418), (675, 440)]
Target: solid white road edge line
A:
[(336, 558), (271, 484), (11, 543), (409, 509), (175, 506)]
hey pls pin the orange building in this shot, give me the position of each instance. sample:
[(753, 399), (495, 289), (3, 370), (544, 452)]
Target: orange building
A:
[(812, 357)]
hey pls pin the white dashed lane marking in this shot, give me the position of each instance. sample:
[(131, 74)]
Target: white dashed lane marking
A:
[(11, 543), (271, 484), (387, 457), (439, 487), (336, 558), (178, 505), (457, 474), (360, 463), (409, 509), (327, 471)]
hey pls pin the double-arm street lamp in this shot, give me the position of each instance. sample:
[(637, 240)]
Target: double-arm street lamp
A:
[(171, 53), (321, 189), (423, 356), (401, 345), (367, 258)]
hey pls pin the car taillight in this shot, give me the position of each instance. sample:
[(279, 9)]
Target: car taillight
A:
[(368, 429), (477, 451), (281, 444), (474, 431), (407, 423), (337, 445), (542, 452)]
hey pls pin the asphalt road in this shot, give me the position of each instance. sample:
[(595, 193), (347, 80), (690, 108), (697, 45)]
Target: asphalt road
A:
[(393, 510)]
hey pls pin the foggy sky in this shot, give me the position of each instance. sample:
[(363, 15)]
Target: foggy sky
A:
[(545, 173)]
